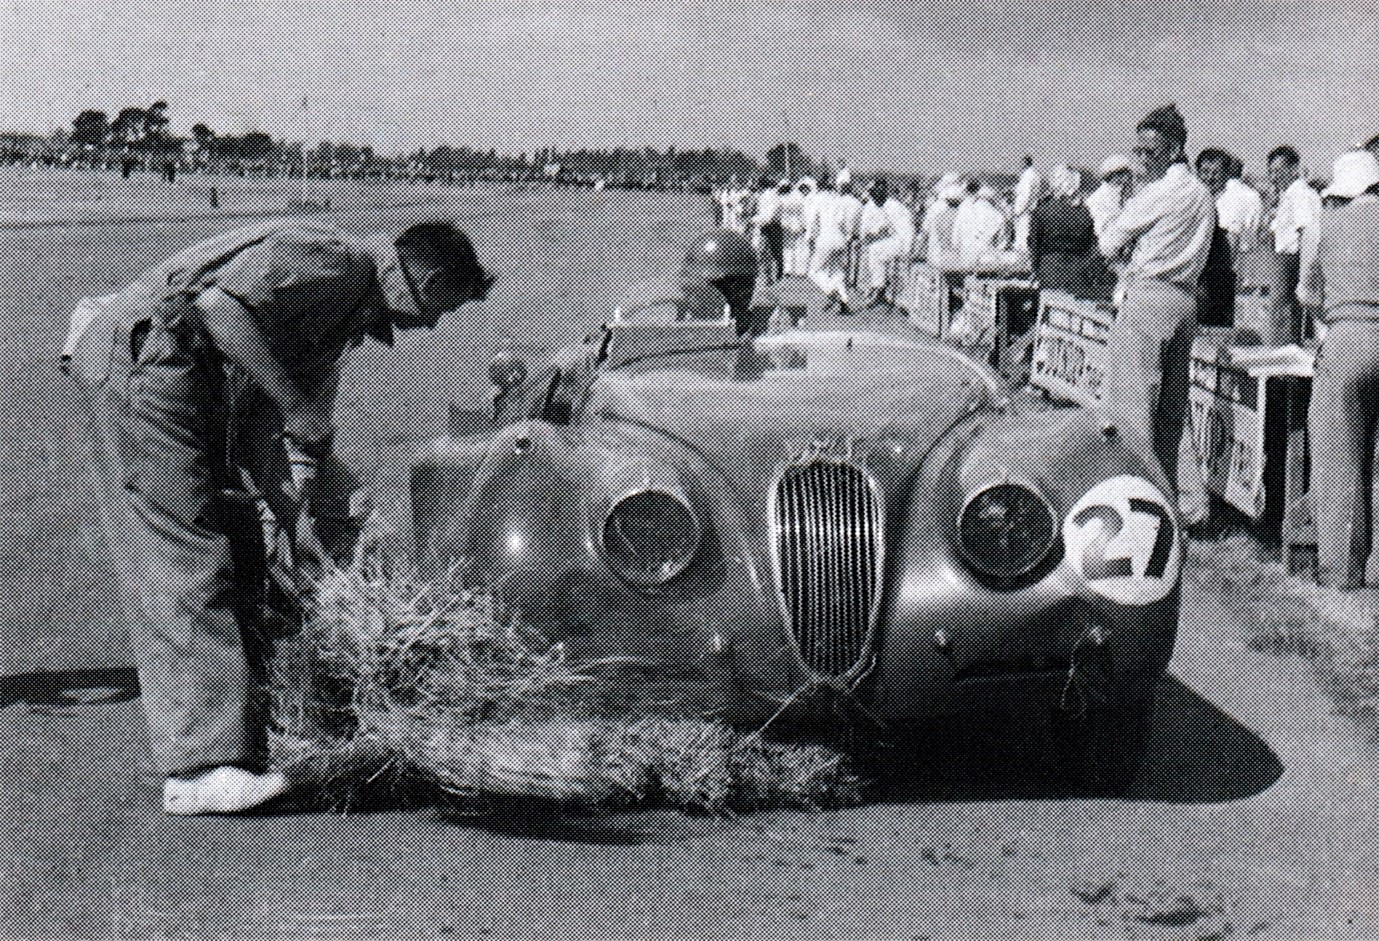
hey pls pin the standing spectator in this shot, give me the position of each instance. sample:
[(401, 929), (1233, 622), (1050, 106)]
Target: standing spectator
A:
[(733, 199), (938, 225), (767, 221), (1106, 200), (902, 218), (1299, 210), (1240, 211), (794, 227), (1028, 191), (1063, 242), (836, 231), (886, 232), (1163, 234), (236, 339), (1340, 273), (1216, 299), (978, 226)]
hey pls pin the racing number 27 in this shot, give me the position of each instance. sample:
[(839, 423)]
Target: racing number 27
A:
[(1095, 564)]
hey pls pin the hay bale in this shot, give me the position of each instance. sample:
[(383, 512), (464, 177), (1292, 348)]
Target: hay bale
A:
[(398, 680)]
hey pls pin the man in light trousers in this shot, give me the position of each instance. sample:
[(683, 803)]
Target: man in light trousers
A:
[(1162, 235)]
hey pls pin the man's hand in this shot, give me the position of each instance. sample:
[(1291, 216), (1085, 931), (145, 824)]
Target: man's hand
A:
[(308, 552), (309, 428)]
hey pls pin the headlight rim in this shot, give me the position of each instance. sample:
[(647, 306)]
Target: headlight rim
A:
[(641, 579), (1037, 560)]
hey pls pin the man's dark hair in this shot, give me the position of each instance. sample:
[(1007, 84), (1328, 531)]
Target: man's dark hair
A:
[(440, 258), (1216, 155), (1288, 155), (1166, 121)]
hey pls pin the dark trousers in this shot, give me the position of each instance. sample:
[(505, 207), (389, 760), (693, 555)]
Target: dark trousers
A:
[(773, 241), (1284, 311), (1341, 422)]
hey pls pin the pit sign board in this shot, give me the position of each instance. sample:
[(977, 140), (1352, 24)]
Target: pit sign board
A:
[(1069, 360), (1229, 400)]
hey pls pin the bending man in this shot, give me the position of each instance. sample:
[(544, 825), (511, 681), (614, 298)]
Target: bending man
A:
[(262, 315)]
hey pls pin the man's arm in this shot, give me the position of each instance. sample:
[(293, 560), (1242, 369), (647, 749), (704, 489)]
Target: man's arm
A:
[(1134, 218), (238, 336), (1309, 292)]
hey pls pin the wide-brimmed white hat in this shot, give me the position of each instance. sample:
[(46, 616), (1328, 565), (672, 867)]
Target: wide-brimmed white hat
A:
[(1352, 174), (1114, 164)]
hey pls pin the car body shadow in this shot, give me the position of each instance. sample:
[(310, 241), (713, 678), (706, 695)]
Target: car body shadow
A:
[(1196, 754), (70, 688)]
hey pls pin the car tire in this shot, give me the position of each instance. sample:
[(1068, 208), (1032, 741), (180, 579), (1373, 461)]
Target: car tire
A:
[(1099, 751)]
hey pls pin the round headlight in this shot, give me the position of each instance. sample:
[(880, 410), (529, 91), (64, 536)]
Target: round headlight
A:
[(1006, 530), (649, 536)]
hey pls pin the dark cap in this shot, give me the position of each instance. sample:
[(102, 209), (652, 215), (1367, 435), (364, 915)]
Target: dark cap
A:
[(1167, 121)]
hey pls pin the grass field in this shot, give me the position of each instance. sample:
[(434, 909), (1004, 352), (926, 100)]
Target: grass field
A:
[(563, 257)]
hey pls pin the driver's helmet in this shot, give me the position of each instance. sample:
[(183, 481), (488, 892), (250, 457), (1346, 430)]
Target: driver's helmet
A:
[(718, 255), (666, 300)]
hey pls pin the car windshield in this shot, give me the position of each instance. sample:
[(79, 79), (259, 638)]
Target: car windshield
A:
[(780, 355)]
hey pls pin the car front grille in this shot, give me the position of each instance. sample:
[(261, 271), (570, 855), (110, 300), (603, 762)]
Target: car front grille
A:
[(828, 542)]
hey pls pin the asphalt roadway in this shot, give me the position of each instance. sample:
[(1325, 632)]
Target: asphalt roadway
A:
[(1254, 816)]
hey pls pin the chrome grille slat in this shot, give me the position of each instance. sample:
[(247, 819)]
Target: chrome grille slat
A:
[(827, 530)]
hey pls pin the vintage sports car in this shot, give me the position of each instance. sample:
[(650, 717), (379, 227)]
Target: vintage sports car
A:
[(841, 505)]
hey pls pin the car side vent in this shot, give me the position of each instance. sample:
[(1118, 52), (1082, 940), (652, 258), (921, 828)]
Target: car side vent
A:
[(828, 550)]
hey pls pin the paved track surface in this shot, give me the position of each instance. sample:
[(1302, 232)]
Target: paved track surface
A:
[(1255, 808)]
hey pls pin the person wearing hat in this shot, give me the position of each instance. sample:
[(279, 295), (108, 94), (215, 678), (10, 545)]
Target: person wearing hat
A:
[(224, 362), (1340, 275), (726, 260), (1160, 238), (1105, 202), (937, 225)]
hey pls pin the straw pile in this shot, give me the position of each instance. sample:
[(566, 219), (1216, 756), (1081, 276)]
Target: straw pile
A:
[(413, 688)]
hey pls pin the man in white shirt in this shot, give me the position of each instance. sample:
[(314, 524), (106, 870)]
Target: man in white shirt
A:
[(978, 227), (793, 224), (835, 229), (1240, 211), (938, 225), (1298, 215), (1162, 237), (1106, 200), (1028, 190)]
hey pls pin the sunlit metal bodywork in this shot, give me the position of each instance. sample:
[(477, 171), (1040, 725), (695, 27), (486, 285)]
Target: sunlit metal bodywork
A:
[(826, 470)]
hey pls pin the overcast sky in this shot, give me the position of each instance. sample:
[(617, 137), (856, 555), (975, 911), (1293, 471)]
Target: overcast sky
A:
[(905, 84)]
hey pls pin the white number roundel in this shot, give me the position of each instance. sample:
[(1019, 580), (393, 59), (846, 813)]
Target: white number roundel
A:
[(1120, 538)]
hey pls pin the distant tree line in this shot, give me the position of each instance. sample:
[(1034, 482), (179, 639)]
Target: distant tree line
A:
[(141, 137)]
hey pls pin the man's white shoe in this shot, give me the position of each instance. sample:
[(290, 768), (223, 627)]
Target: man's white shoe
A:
[(223, 790)]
